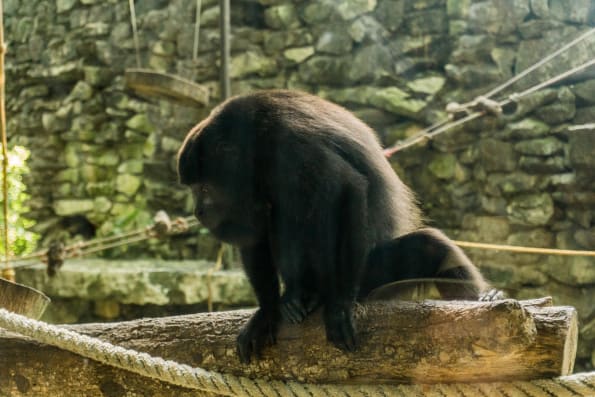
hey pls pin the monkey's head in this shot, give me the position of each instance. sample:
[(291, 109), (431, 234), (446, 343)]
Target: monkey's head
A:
[(216, 161)]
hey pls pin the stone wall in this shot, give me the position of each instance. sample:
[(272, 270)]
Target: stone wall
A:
[(103, 160), (91, 290)]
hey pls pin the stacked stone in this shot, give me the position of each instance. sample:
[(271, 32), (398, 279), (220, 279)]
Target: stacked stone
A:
[(99, 165), (101, 290), (525, 178)]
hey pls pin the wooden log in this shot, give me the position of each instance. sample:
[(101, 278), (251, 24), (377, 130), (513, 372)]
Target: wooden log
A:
[(400, 342), (21, 299)]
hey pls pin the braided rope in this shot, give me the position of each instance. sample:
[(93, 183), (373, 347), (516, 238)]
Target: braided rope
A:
[(229, 385)]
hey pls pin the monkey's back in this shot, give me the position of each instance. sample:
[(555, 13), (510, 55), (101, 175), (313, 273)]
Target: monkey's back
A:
[(392, 208)]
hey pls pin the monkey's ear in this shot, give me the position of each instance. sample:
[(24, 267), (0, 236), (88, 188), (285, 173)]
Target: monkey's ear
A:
[(188, 160)]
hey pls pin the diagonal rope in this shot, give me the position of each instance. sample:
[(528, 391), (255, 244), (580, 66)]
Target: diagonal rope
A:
[(549, 82), (542, 62), (445, 125), (431, 132)]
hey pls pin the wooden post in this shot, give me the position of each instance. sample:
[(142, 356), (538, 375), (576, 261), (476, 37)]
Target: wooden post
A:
[(225, 48), (7, 272), (134, 31), (196, 30)]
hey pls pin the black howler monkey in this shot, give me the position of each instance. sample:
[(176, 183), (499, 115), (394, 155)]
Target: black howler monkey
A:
[(302, 187)]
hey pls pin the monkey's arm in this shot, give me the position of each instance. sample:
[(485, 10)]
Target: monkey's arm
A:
[(261, 329)]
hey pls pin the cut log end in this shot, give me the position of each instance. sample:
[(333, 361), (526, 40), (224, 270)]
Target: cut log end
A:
[(21, 299), (570, 346)]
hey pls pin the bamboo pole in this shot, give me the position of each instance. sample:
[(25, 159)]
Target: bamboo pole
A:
[(7, 271), (225, 48)]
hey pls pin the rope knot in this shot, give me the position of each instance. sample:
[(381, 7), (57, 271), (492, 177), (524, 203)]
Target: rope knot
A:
[(162, 226), (480, 104)]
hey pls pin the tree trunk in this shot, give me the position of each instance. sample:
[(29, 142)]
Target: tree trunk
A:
[(400, 342)]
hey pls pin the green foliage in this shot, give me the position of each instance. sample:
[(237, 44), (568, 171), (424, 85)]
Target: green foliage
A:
[(21, 239)]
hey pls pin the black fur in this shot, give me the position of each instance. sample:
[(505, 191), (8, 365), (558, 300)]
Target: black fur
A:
[(302, 187), (424, 253)]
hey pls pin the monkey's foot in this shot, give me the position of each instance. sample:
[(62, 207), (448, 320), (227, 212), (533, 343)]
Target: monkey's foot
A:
[(492, 295), (260, 331), (340, 326), (295, 309)]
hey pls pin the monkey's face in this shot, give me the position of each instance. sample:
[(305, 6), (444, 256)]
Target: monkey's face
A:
[(220, 172), (227, 216), (210, 204)]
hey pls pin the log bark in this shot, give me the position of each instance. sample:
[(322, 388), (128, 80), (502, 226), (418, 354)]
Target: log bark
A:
[(400, 342)]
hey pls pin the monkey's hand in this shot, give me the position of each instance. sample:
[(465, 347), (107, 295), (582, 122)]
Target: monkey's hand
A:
[(492, 295), (340, 326), (260, 331), (295, 307)]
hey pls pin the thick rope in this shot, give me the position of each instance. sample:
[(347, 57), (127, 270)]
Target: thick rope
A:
[(229, 385)]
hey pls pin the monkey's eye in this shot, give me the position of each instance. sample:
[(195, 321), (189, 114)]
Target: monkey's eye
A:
[(200, 189)]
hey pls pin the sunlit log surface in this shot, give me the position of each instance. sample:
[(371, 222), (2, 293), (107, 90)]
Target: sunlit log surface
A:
[(400, 342)]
